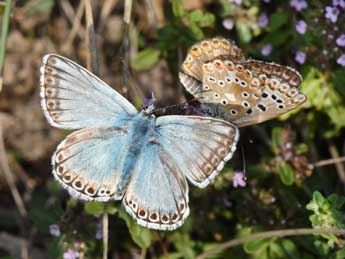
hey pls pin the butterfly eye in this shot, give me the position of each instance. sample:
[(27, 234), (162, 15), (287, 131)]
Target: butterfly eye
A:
[(225, 101)]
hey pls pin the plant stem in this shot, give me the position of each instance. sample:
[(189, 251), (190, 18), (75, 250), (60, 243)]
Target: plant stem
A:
[(269, 234), (126, 43), (4, 33), (92, 60), (105, 231)]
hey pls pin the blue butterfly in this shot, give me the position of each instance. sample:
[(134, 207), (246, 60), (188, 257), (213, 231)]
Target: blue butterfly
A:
[(118, 153)]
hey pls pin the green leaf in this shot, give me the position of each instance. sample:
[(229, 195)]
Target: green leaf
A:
[(94, 207), (339, 80), (146, 59), (276, 251), (318, 198), (276, 137), (290, 249), (244, 32), (177, 8), (202, 19), (140, 235), (256, 246), (286, 173), (39, 7), (277, 20)]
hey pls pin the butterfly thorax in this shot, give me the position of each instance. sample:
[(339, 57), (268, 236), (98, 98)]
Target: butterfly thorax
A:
[(141, 126)]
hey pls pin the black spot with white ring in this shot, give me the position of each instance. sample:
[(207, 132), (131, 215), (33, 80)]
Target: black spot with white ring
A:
[(243, 84), (245, 95), (233, 112), (225, 101), (245, 104), (212, 79), (221, 83), (216, 95), (228, 79)]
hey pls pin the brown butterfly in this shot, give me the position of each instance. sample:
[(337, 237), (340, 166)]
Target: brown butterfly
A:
[(242, 91)]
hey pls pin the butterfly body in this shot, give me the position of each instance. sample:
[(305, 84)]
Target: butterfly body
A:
[(118, 153)]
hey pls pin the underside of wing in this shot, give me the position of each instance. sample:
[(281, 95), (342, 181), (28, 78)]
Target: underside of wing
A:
[(74, 98), (206, 51), (198, 146)]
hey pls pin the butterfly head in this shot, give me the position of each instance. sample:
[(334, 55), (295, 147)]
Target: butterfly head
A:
[(149, 105), (149, 110)]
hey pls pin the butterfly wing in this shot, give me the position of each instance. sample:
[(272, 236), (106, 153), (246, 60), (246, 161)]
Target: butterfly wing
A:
[(74, 98), (88, 163), (157, 195), (199, 146), (279, 96), (183, 146), (207, 50)]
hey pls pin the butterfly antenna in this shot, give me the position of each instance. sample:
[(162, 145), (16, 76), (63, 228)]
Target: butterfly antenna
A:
[(128, 79)]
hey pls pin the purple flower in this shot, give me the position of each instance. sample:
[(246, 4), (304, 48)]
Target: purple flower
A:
[(54, 230), (341, 60), (301, 27), (263, 20), (300, 57), (298, 5), (228, 24), (341, 40), (99, 231), (238, 180), (266, 50), (236, 1), (71, 254), (332, 13), (267, 1), (340, 3)]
